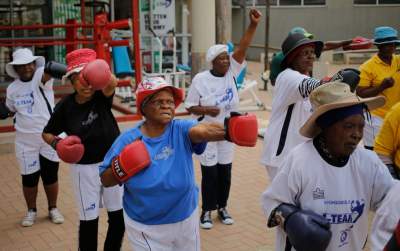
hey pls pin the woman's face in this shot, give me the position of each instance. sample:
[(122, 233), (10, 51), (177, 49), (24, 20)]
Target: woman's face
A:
[(160, 108), (26, 71), (304, 60), (221, 63), (84, 91), (343, 137), (387, 50)]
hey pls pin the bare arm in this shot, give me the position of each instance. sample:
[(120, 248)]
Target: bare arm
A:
[(207, 132), (108, 179), (240, 53), (213, 111), (50, 139), (372, 91), (46, 77), (110, 88), (331, 45)]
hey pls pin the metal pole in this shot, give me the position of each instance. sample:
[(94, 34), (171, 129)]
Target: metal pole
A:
[(267, 9), (152, 53), (136, 40), (266, 48), (83, 16), (244, 5), (112, 10), (12, 18), (185, 39)]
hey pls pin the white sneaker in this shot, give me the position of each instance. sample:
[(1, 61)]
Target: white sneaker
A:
[(225, 217), (205, 220), (55, 216), (29, 219)]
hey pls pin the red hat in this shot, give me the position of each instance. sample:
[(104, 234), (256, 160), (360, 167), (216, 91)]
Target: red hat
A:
[(150, 86), (77, 59)]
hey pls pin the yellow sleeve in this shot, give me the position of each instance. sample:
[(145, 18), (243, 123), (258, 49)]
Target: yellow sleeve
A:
[(386, 141), (366, 76), (397, 57)]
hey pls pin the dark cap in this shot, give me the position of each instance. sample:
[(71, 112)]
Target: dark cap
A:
[(295, 40)]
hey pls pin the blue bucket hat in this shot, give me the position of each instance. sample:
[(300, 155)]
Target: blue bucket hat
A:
[(385, 35)]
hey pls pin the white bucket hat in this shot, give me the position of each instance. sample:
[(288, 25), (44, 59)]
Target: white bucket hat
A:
[(20, 57)]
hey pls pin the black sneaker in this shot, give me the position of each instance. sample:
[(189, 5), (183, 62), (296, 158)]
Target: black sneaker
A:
[(225, 217), (205, 220)]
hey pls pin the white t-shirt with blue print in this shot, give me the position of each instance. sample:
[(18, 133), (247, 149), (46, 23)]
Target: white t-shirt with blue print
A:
[(343, 195), (28, 103), (165, 192), (209, 90)]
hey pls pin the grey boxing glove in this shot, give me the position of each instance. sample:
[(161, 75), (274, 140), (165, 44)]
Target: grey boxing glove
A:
[(305, 229)]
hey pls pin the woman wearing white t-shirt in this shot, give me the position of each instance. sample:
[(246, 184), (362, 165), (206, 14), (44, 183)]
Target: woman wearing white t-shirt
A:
[(386, 220), (30, 96), (321, 197), (213, 96), (290, 105)]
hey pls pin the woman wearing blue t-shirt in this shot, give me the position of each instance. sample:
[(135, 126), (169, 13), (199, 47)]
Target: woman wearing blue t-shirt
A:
[(154, 161)]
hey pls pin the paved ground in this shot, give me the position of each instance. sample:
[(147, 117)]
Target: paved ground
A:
[(249, 180)]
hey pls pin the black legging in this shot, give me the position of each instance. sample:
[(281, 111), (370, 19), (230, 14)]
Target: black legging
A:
[(48, 171), (215, 186), (88, 232)]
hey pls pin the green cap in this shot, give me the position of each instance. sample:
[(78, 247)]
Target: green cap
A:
[(302, 31)]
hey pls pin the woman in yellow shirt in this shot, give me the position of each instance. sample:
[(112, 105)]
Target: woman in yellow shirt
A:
[(380, 76), (387, 142)]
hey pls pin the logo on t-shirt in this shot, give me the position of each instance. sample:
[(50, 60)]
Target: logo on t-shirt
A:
[(227, 97), (91, 207), (164, 154), (91, 117), (344, 211), (318, 194), (344, 236), (25, 100), (33, 164)]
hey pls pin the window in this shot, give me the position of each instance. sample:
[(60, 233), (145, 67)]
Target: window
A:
[(284, 2), (364, 1), (289, 2), (389, 1), (314, 2), (376, 2)]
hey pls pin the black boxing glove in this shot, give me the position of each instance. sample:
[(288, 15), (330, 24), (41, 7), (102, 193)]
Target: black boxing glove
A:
[(349, 76), (55, 70), (393, 170), (305, 229)]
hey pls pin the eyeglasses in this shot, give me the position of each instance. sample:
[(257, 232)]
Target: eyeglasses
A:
[(158, 103)]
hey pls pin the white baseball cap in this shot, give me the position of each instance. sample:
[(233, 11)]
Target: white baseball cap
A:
[(20, 57)]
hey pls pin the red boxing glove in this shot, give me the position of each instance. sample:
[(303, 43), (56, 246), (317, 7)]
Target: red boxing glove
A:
[(359, 43), (133, 158), (97, 74), (241, 129), (70, 149)]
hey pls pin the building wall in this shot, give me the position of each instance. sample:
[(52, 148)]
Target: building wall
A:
[(338, 20)]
